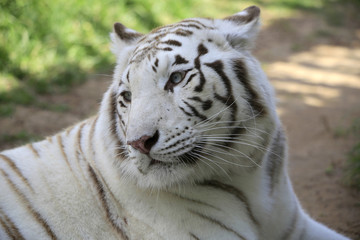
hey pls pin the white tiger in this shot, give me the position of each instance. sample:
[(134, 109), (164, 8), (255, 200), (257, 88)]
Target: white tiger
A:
[(186, 145)]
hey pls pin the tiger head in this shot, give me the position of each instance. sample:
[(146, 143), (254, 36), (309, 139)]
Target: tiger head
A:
[(189, 102)]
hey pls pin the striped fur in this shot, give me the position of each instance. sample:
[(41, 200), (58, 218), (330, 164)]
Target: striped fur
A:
[(186, 145)]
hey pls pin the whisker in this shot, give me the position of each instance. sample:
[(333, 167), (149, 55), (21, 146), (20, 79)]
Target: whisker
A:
[(200, 158), (259, 147), (247, 143), (228, 136), (224, 160), (244, 142), (216, 114), (233, 149), (230, 121), (232, 127)]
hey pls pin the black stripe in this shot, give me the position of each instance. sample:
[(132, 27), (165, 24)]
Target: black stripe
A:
[(167, 49), (228, 99), (292, 226), (243, 77), (78, 149), (156, 62), (235, 192), (191, 25), (186, 113), (197, 22), (190, 78), (69, 130), (176, 143), (179, 60), (195, 112), (13, 166), (256, 155), (173, 43), (78, 141), (100, 189), (35, 214), (113, 114), (275, 160), (200, 87), (127, 76), (122, 122), (62, 149), (32, 148), (122, 104), (154, 69), (202, 50), (206, 105), (218, 223), (183, 33), (196, 201), (234, 134), (9, 231), (194, 236), (10, 227)]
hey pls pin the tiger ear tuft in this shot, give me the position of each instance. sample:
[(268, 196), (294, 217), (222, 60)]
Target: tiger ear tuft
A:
[(242, 28), (123, 37), (247, 15), (125, 33)]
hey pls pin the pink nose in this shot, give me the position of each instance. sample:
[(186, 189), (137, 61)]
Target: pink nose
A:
[(144, 143)]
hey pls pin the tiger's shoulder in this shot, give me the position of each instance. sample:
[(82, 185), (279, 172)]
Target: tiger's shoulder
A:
[(48, 188)]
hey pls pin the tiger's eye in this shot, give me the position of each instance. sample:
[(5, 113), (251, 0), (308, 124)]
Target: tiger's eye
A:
[(176, 77), (126, 95)]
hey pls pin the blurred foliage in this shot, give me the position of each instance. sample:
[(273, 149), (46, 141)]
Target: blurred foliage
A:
[(18, 138), (353, 164), (353, 176), (48, 46)]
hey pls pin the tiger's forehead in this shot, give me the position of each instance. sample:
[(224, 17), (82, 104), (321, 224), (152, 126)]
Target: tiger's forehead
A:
[(168, 38)]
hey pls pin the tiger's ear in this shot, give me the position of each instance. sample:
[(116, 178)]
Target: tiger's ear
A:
[(122, 38), (242, 28)]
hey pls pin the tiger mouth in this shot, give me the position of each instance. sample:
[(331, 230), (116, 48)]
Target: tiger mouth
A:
[(188, 158)]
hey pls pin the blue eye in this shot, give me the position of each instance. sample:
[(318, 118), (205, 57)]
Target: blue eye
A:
[(176, 77), (126, 95)]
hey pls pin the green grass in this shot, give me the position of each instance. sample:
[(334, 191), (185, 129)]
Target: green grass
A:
[(48, 46), (6, 109), (18, 138)]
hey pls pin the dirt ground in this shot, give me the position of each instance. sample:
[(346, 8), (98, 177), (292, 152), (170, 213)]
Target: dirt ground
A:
[(315, 69)]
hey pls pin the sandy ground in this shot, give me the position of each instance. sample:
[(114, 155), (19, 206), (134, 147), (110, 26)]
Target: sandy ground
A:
[(315, 69)]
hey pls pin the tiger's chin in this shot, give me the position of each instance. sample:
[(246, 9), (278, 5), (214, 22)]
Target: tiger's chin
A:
[(187, 158)]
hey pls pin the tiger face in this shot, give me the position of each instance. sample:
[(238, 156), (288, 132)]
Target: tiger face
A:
[(192, 103)]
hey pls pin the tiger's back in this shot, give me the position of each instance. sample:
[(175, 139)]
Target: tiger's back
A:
[(186, 145)]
